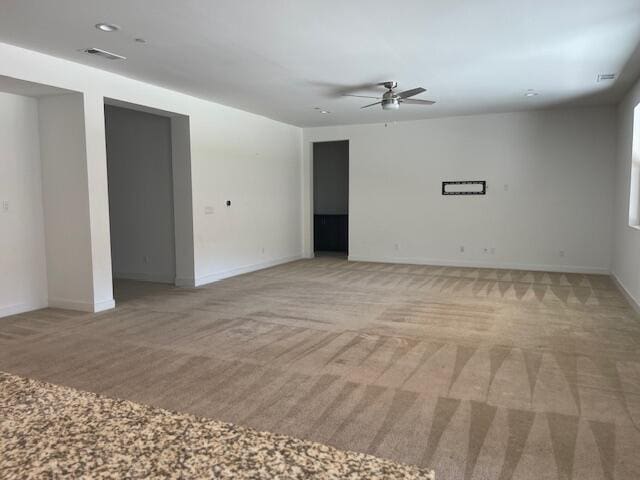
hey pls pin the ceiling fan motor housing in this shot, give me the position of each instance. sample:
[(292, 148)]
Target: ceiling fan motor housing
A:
[(391, 100), (390, 85)]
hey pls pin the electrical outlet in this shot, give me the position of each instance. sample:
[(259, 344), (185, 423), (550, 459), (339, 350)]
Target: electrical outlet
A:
[(562, 253), (262, 249), (145, 259), (461, 248), (5, 205), (208, 210), (493, 250), (397, 247)]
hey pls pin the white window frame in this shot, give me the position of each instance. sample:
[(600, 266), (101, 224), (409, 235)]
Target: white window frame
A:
[(634, 188)]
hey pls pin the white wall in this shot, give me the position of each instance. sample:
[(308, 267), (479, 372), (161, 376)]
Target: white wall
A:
[(625, 266), (248, 159), (182, 200), (550, 185), (140, 195), (23, 278), (254, 163), (66, 201)]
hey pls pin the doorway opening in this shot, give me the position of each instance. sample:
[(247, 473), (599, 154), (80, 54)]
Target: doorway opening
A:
[(149, 181), (331, 198)]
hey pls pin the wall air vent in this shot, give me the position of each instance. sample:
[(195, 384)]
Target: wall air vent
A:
[(103, 53), (465, 187), (605, 77)]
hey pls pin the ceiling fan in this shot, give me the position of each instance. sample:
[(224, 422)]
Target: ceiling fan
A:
[(391, 100)]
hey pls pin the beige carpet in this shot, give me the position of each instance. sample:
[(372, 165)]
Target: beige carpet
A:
[(477, 373)]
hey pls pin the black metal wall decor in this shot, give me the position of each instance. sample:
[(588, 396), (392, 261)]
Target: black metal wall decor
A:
[(475, 187)]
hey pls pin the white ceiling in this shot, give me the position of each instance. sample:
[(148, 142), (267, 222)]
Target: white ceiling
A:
[(282, 58)]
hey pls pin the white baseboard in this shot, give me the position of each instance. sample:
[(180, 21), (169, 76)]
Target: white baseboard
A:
[(185, 282), (104, 305), (144, 277), (479, 264), (67, 304), (81, 305), (630, 298), (21, 308), (214, 277)]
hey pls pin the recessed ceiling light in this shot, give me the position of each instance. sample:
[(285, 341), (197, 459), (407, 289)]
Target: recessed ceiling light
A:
[(324, 111), (530, 93), (107, 27), (139, 40)]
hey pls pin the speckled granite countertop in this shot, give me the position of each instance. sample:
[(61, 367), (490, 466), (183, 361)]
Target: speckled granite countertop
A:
[(48, 431)]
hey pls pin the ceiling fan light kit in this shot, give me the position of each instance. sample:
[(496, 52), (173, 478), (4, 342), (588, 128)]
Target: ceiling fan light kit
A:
[(391, 100), (390, 104)]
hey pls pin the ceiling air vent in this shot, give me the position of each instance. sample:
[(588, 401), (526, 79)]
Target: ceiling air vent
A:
[(605, 77), (104, 54)]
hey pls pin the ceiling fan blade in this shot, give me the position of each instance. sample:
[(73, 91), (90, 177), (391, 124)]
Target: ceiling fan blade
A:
[(371, 105), (360, 96), (416, 101), (410, 93)]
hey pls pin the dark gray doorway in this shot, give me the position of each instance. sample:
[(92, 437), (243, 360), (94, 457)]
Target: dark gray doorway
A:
[(331, 197), (141, 211)]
